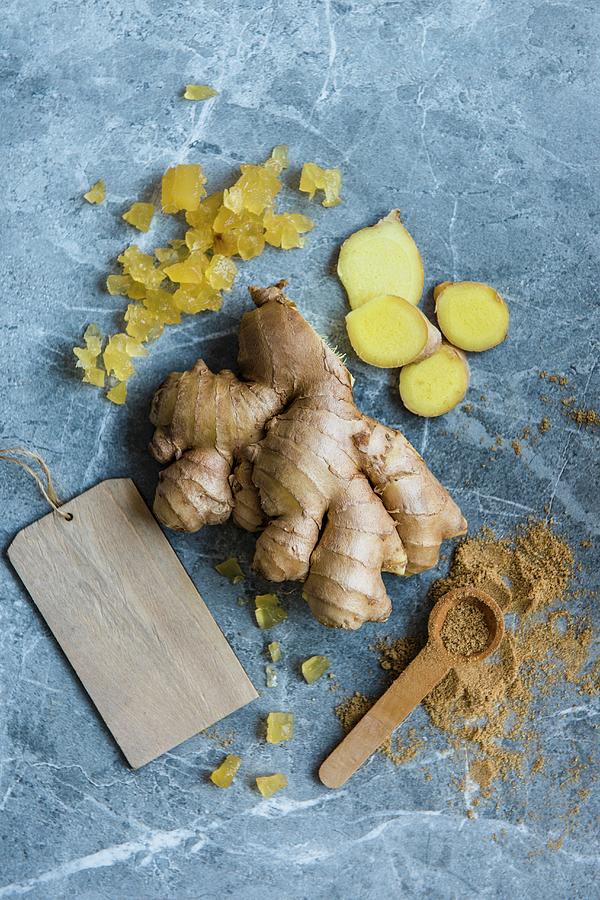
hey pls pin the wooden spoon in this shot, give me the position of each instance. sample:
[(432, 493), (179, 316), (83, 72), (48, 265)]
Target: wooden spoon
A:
[(416, 681)]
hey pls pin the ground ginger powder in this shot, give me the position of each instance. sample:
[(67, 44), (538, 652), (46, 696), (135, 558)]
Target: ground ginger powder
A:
[(486, 705)]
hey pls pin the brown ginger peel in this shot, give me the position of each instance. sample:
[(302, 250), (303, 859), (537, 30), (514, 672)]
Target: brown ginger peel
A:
[(339, 496)]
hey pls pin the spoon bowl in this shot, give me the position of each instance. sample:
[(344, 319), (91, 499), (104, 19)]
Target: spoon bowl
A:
[(492, 613)]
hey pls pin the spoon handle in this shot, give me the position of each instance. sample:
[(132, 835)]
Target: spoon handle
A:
[(378, 723)]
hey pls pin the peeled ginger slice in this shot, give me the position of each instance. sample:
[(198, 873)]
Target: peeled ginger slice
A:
[(472, 315), (435, 385), (381, 259), (389, 332)]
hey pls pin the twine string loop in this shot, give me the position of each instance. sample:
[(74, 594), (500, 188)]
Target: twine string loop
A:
[(45, 484)]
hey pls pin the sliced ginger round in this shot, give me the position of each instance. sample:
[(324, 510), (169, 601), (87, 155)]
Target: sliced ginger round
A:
[(381, 259), (472, 315), (435, 385), (389, 332)]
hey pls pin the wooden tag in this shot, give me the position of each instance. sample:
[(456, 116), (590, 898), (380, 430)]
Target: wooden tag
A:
[(130, 620)]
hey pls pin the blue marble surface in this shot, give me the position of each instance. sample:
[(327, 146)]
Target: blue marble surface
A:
[(479, 119)]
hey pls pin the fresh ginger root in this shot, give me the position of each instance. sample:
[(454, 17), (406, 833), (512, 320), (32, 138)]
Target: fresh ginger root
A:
[(435, 385), (389, 332), (339, 496), (382, 259), (471, 315)]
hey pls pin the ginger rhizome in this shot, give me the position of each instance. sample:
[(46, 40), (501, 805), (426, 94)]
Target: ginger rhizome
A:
[(190, 274), (472, 316), (437, 384), (389, 332), (379, 260), (338, 497)]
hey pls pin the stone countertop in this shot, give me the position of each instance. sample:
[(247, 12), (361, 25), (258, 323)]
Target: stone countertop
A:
[(479, 121)]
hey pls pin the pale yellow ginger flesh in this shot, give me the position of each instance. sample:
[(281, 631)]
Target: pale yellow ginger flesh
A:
[(314, 668), (223, 776), (280, 727), (189, 276), (336, 496), (199, 92), (140, 215), (231, 569), (389, 332), (379, 260), (270, 784), (313, 178), (435, 385), (97, 193), (471, 315)]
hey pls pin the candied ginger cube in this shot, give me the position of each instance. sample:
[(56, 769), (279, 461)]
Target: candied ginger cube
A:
[(195, 298), (94, 375), (97, 193), (162, 303), (191, 270), (199, 92), (268, 612), (221, 272), (142, 323), (225, 773), (199, 238), (183, 188), (270, 784), (118, 393), (313, 178), (314, 668), (280, 727), (168, 255), (270, 676), (231, 569), (141, 267), (140, 215), (206, 212), (274, 649), (118, 353), (278, 161), (284, 230)]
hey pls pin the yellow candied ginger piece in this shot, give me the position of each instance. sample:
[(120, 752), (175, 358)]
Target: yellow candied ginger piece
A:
[(314, 668), (141, 267), (118, 393), (274, 649), (242, 234), (255, 190), (190, 271), (87, 356), (118, 354), (224, 774), (268, 612), (206, 212), (221, 272), (231, 569), (162, 303), (125, 286), (167, 255), (284, 230), (278, 161), (199, 92), (142, 324), (270, 784), (314, 178), (97, 193), (140, 215), (280, 727), (183, 188), (270, 676), (94, 375), (195, 298), (199, 238)]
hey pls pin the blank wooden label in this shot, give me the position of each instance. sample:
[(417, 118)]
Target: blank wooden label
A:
[(130, 620)]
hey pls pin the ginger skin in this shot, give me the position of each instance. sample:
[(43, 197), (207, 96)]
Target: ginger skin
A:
[(339, 496)]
